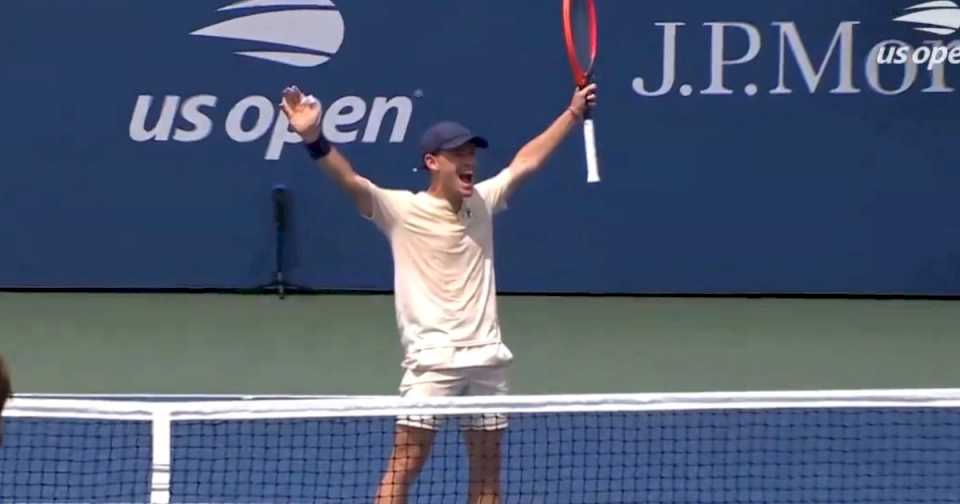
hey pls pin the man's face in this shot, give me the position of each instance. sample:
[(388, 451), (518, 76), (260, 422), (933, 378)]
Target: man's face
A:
[(453, 169)]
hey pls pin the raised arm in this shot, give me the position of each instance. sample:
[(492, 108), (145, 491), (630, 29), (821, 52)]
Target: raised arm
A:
[(303, 113), (535, 153)]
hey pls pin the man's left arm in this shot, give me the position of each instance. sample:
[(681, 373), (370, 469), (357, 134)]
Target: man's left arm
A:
[(535, 153)]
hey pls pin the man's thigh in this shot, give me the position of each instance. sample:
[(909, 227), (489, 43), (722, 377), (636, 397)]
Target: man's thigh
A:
[(426, 384)]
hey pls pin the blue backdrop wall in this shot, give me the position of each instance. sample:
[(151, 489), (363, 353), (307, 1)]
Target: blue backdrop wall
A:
[(748, 146)]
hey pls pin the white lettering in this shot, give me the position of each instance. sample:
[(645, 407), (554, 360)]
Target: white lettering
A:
[(938, 77), (381, 106), (873, 72), (789, 36), (253, 117), (281, 136), (885, 55), (669, 63), (921, 55), (202, 125), (161, 130), (939, 57), (265, 112), (343, 113), (903, 55), (717, 61)]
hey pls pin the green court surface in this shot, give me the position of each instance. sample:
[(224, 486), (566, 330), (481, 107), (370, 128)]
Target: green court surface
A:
[(347, 344)]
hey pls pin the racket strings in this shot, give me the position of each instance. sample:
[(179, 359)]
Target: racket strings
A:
[(581, 38)]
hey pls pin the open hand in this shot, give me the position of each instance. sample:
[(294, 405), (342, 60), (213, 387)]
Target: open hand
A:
[(303, 113)]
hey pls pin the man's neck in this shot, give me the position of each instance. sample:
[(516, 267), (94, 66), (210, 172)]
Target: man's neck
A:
[(455, 200)]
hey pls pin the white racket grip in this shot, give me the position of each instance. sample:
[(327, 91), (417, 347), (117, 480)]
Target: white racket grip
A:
[(590, 144)]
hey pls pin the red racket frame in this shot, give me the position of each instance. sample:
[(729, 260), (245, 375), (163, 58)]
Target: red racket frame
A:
[(581, 75)]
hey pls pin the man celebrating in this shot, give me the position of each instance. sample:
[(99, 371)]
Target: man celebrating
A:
[(441, 240)]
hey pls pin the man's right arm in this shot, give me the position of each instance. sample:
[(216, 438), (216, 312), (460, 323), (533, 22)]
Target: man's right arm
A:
[(303, 113), (341, 171)]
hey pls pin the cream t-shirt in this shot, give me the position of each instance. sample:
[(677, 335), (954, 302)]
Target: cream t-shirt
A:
[(444, 281)]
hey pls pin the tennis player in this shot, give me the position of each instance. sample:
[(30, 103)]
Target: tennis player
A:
[(445, 291), (6, 391)]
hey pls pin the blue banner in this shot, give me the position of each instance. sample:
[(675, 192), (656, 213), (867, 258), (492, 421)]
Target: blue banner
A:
[(745, 146)]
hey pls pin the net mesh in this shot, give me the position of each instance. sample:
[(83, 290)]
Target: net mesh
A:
[(64, 460), (796, 456), (568, 453)]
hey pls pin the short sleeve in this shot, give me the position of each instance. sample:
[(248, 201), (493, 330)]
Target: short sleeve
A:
[(388, 206), (496, 190)]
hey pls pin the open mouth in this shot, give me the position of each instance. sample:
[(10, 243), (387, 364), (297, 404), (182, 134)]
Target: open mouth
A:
[(466, 178)]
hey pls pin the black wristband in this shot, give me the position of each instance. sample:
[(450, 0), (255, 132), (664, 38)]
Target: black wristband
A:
[(319, 148)]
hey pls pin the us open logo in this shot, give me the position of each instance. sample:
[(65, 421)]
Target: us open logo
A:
[(941, 17), (300, 33)]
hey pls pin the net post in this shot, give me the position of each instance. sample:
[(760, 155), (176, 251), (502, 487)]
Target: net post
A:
[(160, 463)]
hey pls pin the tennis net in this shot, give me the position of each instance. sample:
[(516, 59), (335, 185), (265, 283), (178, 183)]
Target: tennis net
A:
[(900, 446)]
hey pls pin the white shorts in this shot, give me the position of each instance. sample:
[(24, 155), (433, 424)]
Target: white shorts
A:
[(475, 381)]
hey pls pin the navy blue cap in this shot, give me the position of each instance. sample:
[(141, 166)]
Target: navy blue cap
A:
[(449, 135)]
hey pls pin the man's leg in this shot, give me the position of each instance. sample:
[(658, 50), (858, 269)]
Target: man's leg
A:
[(484, 451), (414, 434), (411, 447), (484, 436), (6, 391)]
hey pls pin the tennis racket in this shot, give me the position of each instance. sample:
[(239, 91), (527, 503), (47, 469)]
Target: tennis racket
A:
[(580, 36)]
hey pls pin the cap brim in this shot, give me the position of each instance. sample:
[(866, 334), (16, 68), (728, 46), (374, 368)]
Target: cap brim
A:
[(459, 141)]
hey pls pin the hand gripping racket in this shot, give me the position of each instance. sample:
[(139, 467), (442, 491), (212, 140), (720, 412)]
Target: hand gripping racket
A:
[(580, 36)]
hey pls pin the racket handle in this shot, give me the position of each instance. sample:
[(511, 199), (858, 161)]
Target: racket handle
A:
[(590, 144)]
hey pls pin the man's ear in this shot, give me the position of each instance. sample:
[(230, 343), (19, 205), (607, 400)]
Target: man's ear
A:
[(430, 161)]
